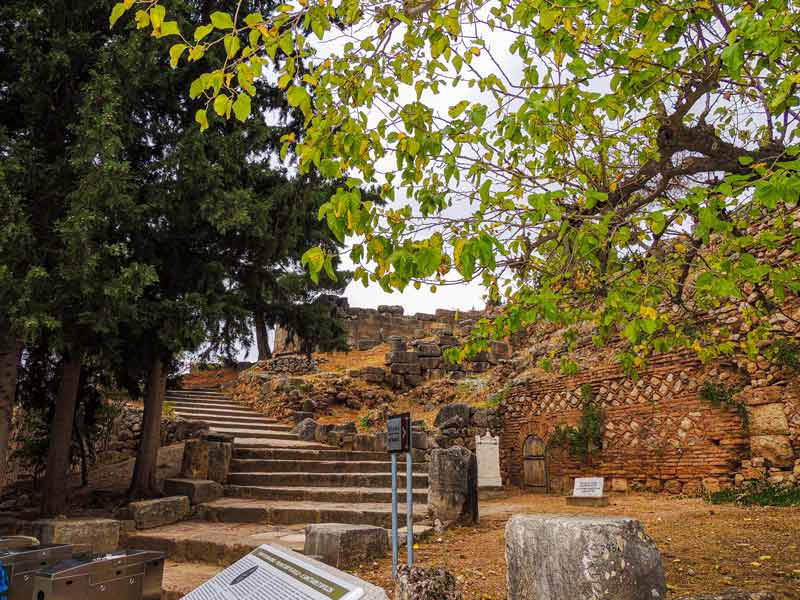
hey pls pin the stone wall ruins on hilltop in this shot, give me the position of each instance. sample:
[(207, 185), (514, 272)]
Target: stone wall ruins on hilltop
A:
[(369, 327)]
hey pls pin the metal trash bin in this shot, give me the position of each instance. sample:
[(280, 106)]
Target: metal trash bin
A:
[(121, 575), (19, 565), (11, 542)]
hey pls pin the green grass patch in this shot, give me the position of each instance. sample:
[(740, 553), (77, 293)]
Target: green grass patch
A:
[(759, 493)]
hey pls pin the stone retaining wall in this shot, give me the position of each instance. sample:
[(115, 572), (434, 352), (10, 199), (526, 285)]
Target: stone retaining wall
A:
[(659, 434)]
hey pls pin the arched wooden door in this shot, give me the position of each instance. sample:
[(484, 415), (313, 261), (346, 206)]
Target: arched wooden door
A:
[(535, 464)]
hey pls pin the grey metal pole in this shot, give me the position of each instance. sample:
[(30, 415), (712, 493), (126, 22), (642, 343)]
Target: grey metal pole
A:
[(410, 508), (394, 516)]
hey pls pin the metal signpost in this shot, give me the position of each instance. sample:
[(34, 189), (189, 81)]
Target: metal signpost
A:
[(399, 441)]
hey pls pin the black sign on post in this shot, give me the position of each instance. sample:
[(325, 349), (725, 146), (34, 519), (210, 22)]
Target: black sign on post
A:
[(399, 428)]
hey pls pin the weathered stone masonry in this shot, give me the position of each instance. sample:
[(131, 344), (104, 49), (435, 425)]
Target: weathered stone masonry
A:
[(659, 434)]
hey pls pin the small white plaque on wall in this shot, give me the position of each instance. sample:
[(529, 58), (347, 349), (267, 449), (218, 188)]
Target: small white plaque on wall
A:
[(588, 487)]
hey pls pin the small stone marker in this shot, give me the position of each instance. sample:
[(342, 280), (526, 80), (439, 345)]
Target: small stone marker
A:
[(159, 512), (453, 486), (340, 545), (276, 573), (487, 448), (582, 557), (588, 491)]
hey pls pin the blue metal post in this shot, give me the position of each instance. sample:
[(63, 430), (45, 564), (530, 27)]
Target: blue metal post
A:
[(410, 508), (394, 516)]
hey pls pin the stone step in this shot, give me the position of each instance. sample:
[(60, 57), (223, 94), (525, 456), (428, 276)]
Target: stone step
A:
[(221, 412), (216, 404), (215, 543), (368, 480), (245, 465), (246, 432), (261, 444), (355, 495), (233, 510), (218, 423), (329, 454), (200, 397), (197, 392), (239, 420)]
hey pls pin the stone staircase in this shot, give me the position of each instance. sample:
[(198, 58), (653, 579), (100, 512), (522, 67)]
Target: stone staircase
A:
[(277, 484)]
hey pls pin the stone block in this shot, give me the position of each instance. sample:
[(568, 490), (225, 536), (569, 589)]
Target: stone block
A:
[(501, 349), (450, 411), (418, 583), (306, 430), (208, 457), (552, 556), (429, 363), (405, 368), (321, 433), (692, 488), (711, 485), (159, 512), (653, 485), (93, 535), (453, 486), (301, 415), (776, 450), (673, 486), (767, 419), (413, 380), (429, 350), (591, 502), (419, 440), (197, 490), (401, 357), (364, 442), (390, 310), (619, 484), (341, 546)]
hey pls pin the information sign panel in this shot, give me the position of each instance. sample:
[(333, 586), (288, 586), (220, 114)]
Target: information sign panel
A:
[(271, 573), (399, 428)]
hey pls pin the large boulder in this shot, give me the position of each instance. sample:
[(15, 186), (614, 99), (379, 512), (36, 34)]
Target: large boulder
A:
[(148, 514), (453, 486), (341, 545), (418, 583), (306, 430), (450, 411), (591, 558)]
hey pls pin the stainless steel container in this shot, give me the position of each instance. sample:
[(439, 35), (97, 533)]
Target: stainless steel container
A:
[(20, 564), (121, 575)]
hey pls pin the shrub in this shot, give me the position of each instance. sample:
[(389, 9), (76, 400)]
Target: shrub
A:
[(758, 493)]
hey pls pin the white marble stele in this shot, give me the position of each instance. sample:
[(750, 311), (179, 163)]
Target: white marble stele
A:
[(487, 449)]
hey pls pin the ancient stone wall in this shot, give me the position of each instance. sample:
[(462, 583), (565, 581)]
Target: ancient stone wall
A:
[(659, 433), (369, 327)]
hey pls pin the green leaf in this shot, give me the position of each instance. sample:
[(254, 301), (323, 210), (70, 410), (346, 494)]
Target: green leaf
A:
[(242, 107), (478, 115), (314, 259), (221, 105), (232, 45), (202, 117), (297, 95), (175, 55), (221, 20), (745, 160), (459, 108), (328, 264), (202, 31), (157, 14), (169, 28), (427, 261), (733, 58), (198, 87), (142, 19), (116, 13)]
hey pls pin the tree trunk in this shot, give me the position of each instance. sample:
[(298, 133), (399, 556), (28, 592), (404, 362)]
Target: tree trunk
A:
[(262, 339), (10, 351), (144, 483), (54, 501)]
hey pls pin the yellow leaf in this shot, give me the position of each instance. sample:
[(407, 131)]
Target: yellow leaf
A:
[(755, 564), (765, 557)]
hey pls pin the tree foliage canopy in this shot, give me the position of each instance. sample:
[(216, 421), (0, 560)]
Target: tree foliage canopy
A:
[(596, 160)]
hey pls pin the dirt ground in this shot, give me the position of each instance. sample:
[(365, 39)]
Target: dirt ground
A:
[(705, 548)]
